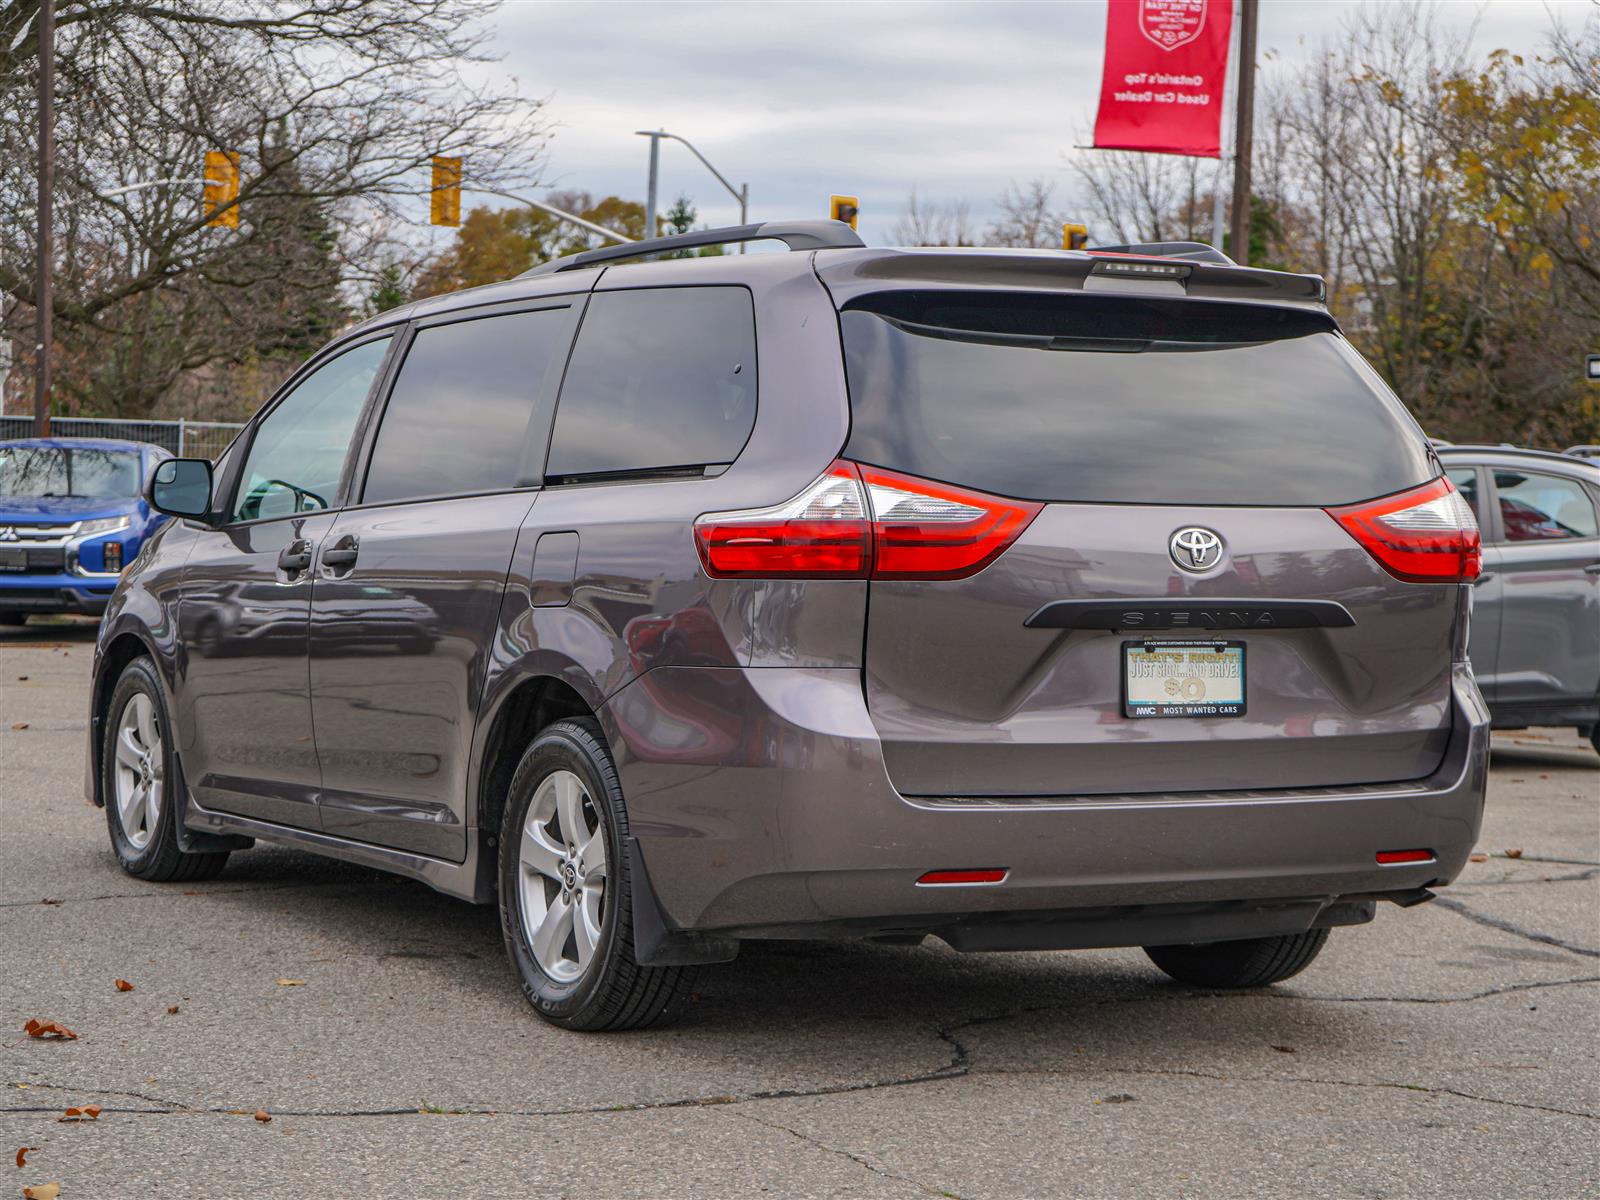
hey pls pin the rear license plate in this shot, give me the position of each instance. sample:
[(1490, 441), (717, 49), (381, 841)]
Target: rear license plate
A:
[(1183, 679), (13, 558)]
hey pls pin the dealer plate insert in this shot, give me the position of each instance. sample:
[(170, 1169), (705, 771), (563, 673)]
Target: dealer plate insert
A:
[(1183, 679)]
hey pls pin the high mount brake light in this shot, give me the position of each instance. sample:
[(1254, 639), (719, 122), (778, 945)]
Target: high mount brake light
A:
[(857, 522), (1425, 535)]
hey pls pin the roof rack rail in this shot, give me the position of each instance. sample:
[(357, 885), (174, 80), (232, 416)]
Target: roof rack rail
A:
[(797, 235), (1187, 251)]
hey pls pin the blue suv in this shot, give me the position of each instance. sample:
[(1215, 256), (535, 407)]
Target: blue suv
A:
[(71, 518)]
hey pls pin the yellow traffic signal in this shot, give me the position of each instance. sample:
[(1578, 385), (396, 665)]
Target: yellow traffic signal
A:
[(844, 208), (222, 188), (1074, 237), (446, 201)]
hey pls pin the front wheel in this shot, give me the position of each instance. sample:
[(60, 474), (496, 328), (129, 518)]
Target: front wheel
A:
[(566, 902), (1251, 963), (141, 785)]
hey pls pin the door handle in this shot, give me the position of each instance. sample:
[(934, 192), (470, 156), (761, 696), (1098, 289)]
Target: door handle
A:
[(342, 555), (1592, 569), (296, 556)]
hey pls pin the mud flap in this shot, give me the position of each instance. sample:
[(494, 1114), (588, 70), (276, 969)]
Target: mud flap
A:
[(655, 942)]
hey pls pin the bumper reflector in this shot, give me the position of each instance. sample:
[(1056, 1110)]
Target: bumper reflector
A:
[(1390, 857), (947, 878)]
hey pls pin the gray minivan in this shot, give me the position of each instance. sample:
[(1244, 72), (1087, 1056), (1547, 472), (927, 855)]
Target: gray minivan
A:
[(1031, 600)]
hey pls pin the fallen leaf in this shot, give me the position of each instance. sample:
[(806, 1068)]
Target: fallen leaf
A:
[(191, 892), (86, 1112), (47, 900), (42, 1191), (36, 1028), (291, 983), (22, 679), (1477, 858), (1517, 853), (1119, 1098), (22, 1155), (172, 1010), (124, 986), (19, 724), (1284, 1049), (263, 1115)]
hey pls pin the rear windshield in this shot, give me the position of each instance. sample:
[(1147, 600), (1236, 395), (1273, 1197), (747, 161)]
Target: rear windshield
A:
[(1100, 399)]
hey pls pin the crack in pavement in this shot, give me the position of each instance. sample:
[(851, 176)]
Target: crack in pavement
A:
[(1461, 887), (860, 1160), (168, 894), (959, 1066), (1350, 1083), (1532, 935)]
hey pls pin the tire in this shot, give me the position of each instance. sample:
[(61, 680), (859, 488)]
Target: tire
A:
[(148, 849), (13, 619), (1594, 737), (1252, 963), (568, 769)]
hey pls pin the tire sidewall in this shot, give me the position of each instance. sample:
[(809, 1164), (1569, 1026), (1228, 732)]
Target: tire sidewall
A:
[(138, 676), (557, 749)]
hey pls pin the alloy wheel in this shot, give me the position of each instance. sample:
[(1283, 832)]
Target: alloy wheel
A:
[(140, 765), (562, 876)]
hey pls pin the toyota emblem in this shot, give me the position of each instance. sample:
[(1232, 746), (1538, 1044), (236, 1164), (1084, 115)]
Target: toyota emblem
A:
[(1195, 548)]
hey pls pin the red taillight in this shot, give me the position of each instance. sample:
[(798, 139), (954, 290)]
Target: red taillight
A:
[(1390, 857), (1426, 535), (822, 533), (926, 530), (864, 522)]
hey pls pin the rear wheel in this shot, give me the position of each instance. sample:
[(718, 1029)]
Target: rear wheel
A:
[(566, 902), (1252, 963), (140, 783)]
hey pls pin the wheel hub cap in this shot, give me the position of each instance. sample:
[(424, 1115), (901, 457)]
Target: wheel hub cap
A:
[(561, 892)]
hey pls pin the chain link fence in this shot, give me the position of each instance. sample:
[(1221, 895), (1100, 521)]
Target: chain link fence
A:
[(186, 439)]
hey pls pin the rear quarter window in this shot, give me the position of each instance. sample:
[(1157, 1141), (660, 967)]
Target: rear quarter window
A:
[(1097, 399), (661, 379)]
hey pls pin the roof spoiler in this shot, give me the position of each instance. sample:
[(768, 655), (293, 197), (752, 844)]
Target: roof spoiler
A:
[(797, 235), (1186, 251)]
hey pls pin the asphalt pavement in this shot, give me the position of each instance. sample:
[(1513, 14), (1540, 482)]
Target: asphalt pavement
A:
[(1451, 1050)]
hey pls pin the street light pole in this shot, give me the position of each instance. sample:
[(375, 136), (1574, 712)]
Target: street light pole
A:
[(740, 193), (44, 335)]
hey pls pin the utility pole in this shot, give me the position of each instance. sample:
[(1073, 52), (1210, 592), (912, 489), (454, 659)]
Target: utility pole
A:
[(44, 336), (1244, 114), (655, 174)]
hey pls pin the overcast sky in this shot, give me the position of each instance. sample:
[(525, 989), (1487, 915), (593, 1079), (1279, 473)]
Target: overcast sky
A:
[(871, 99)]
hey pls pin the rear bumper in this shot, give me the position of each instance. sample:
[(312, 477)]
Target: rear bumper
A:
[(761, 805)]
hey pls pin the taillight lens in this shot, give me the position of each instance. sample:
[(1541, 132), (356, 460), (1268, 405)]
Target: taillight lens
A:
[(858, 522), (822, 533), (926, 530), (1426, 535)]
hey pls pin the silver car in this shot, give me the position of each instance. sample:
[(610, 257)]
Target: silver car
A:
[(1536, 617)]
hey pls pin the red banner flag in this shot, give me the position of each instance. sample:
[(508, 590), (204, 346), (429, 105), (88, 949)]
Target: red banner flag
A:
[(1165, 74)]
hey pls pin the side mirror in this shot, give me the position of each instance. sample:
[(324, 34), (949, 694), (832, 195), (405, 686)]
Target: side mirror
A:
[(181, 487)]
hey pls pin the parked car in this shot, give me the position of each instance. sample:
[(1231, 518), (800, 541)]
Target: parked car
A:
[(1027, 599), (71, 519), (1536, 614)]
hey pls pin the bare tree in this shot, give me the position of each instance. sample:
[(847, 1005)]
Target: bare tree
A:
[(335, 107), (1027, 216), (926, 223), (1147, 197)]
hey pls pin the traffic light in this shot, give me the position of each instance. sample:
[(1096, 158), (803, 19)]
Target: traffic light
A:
[(844, 208), (445, 208), (1074, 237), (222, 188)]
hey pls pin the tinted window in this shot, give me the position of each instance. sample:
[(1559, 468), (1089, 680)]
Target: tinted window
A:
[(82, 471), (1100, 399), (1543, 508), (659, 379), (1466, 481), (298, 451), (458, 417)]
